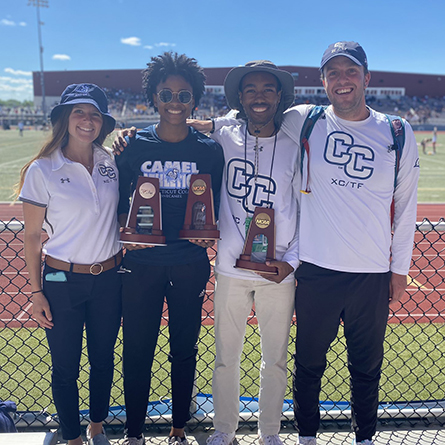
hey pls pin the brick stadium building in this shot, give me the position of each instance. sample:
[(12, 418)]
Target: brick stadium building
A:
[(307, 82)]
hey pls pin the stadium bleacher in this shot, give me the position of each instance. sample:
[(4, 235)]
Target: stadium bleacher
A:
[(128, 106)]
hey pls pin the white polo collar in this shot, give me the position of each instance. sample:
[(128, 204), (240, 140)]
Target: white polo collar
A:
[(58, 160)]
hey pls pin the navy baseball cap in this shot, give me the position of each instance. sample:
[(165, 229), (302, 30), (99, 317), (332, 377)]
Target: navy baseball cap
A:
[(351, 50), (84, 93)]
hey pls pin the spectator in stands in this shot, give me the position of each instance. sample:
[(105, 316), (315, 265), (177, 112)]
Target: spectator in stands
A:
[(179, 271), (352, 267), (71, 188)]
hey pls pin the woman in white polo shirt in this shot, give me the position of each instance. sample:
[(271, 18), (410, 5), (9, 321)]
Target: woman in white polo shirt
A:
[(71, 188)]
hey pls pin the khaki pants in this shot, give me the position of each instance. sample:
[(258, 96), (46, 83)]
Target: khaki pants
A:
[(274, 306)]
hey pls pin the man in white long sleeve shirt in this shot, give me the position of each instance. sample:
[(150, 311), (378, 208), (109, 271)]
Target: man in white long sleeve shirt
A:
[(352, 267), (262, 170)]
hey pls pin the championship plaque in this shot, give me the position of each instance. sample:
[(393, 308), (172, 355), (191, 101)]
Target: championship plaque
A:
[(199, 222), (144, 222), (261, 225)]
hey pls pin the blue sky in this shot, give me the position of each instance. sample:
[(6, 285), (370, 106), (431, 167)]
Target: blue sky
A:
[(405, 36)]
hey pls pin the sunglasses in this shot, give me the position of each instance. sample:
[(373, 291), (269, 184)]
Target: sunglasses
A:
[(183, 96)]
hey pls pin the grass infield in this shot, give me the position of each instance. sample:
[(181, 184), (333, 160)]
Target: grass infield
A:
[(412, 370), (15, 151)]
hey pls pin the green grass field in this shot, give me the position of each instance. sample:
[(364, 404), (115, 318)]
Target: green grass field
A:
[(15, 151), (412, 370)]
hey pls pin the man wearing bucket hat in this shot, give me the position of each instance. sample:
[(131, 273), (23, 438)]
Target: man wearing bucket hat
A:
[(352, 268), (262, 170), (232, 85)]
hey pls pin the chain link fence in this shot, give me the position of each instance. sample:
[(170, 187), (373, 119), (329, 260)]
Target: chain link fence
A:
[(412, 384)]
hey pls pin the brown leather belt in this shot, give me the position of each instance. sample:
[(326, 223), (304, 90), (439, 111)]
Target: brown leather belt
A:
[(93, 269)]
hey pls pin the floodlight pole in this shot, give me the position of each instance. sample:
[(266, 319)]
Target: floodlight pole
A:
[(38, 4)]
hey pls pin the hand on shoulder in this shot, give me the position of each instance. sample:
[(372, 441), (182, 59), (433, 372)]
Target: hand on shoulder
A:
[(119, 142)]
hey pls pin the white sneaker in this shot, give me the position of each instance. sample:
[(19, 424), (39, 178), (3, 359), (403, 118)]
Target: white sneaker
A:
[(134, 441), (308, 440), (220, 438), (364, 442), (270, 440)]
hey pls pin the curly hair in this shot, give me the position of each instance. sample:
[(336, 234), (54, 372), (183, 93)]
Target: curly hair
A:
[(173, 64)]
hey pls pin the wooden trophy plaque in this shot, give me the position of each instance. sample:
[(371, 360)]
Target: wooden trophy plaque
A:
[(262, 224), (199, 222), (144, 222)]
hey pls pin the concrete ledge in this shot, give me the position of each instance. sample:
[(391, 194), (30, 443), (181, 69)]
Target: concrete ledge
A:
[(48, 438)]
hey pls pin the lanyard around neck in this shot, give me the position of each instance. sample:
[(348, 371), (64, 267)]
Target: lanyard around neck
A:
[(257, 159)]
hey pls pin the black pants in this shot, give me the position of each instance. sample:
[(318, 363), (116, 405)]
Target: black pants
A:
[(93, 301), (144, 290), (323, 298)]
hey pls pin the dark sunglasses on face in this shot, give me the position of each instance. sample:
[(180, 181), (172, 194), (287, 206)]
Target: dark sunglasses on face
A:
[(183, 96)]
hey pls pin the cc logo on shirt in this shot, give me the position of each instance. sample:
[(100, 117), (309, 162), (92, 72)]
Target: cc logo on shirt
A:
[(341, 150), (253, 190), (107, 171)]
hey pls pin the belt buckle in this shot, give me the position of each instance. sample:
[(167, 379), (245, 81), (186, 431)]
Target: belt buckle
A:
[(100, 271)]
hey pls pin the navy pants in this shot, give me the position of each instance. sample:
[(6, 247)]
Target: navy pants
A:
[(323, 298), (144, 290), (93, 302)]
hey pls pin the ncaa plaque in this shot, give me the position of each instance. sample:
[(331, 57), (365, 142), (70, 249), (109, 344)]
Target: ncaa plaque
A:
[(199, 221), (144, 222), (262, 226)]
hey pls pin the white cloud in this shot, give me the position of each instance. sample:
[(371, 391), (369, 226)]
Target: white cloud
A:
[(61, 57), (15, 81), (18, 72), (22, 24), (15, 88), (165, 44), (7, 22), (20, 89), (148, 47), (132, 41)]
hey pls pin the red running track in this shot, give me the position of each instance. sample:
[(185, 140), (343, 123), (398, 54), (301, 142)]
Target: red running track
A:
[(424, 300), (431, 211)]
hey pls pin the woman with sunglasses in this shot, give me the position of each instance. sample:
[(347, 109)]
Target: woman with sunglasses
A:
[(71, 188), (179, 271)]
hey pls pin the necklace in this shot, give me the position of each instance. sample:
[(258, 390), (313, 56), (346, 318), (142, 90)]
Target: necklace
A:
[(88, 166), (257, 149), (257, 131)]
